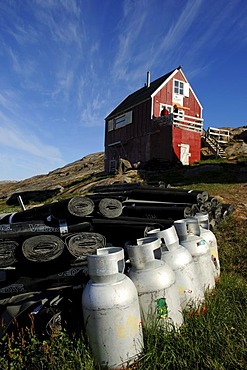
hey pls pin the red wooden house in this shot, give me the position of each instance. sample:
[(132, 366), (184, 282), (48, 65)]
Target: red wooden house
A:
[(136, 131)]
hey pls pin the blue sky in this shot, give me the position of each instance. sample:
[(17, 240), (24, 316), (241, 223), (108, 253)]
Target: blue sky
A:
[(65, 64)]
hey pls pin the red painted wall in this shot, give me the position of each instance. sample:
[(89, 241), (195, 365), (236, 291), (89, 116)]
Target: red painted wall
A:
[(164, 96), (181, 136)]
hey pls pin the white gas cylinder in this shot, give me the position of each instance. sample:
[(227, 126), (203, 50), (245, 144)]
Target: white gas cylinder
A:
[(155, 283), (199, 249), (180, 260), (210, 238), (111, 311)]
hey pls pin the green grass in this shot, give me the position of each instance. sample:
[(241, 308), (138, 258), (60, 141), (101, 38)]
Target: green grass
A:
[(232, 235), (215, 339), (27, 352), (210, 188)]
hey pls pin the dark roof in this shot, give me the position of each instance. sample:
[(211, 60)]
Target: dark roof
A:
[(139, 96)]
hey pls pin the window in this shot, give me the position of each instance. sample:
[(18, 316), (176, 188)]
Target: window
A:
[(168, 107), (120, 121), (178, 87), (110, 125)]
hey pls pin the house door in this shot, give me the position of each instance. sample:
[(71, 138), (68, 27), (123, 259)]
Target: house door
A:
[(184, 153)]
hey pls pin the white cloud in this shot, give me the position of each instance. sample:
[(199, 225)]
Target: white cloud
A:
[(18, 139), (64, 84), (62, 21), (220, 21), (23, 66), (17, 166), (70, 6), (130, 29), (172, 43), (91, 112), (10, 102), (24, 34)]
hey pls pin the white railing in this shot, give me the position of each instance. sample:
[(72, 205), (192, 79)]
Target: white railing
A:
[(220, 135), (183, 121), (189, 123)]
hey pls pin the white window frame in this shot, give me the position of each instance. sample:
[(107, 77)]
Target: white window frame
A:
[(168, 107), (183, 88), (179, 89)]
